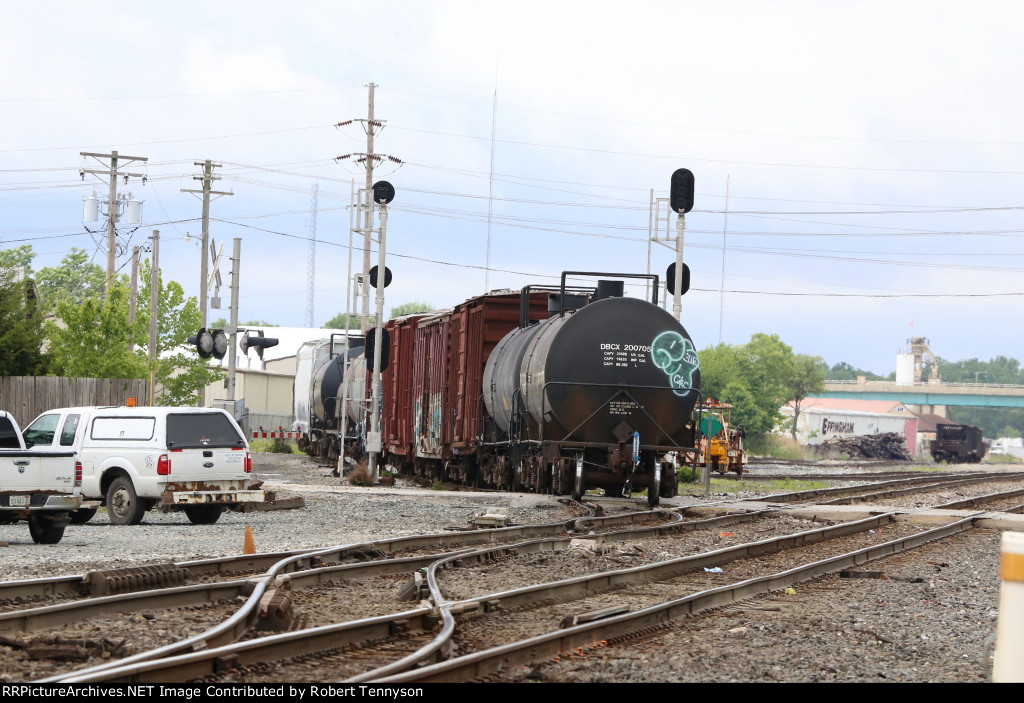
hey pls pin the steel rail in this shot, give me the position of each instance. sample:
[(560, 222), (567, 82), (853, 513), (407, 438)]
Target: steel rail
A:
[(50, 616), (578, 638), (981, 500), (917, 480), (194, 665), (78, 585), (916, 489), (168, 666), (284, 572), (600, 582)]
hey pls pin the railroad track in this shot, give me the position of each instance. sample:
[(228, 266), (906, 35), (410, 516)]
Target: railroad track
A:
[(369, 639)]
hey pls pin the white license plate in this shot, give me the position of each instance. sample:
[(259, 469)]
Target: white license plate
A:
[(19, 501)]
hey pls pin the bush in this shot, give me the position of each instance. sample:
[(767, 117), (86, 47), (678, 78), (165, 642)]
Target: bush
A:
[(779, 447), (359, 476), (273, 446)]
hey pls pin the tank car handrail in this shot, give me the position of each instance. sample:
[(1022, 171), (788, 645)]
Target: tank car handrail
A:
[(524, 298), (650, 276), (620, 389)]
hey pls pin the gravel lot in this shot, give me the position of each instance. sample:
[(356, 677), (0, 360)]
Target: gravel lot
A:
[(334, 514)]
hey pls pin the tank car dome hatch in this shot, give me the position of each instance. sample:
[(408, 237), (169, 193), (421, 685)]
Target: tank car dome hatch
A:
[(609, 289), (630, 359), (565, 303)]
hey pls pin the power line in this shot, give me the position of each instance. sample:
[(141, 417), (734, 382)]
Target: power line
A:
[(718, 130), (677, 158)]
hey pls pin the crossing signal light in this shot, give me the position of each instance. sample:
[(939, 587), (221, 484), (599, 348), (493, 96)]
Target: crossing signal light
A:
[(670, 279), (257, 342), (210, 343), (680, 193)]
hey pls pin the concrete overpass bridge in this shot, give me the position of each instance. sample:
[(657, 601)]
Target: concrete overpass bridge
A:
[(929, 397)]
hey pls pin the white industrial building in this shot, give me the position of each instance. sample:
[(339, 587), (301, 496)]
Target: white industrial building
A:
[(821, 419)]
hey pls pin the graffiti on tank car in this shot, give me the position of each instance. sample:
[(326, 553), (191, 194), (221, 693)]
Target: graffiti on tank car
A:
[(676, 356)]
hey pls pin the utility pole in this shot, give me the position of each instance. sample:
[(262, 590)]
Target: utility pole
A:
[(133, 295), (371, 125), (207, 178), (112, 173), (236, 256), (154, 310), (311, 265), (368, 215)]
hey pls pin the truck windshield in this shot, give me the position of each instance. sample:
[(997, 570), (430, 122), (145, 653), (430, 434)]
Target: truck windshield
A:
[(191, 430), (41, 431)]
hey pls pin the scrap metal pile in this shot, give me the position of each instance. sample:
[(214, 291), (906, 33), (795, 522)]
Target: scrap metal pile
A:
[(888, 445)]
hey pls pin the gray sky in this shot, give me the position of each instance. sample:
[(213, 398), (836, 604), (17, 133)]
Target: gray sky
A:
[(872, 151)]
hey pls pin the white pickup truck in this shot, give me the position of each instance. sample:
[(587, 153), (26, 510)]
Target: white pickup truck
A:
[(194, 460), (41, 487)]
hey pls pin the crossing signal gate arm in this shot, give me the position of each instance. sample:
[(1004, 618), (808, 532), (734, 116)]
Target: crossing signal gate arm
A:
[(258, 342)]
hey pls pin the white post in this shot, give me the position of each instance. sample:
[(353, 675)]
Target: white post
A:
[(374, 442), (1009, 659), (677, 305), (343, 413)]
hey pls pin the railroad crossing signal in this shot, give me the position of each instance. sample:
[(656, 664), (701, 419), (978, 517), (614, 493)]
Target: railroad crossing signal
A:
[(257, 342), (210, 343)]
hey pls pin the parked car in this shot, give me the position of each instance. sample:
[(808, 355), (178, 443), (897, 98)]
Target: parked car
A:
[(40, 487), (133, 459)]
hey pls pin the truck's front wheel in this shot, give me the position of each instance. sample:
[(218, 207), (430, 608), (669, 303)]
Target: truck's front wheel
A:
[(123, 504), (44, 529)]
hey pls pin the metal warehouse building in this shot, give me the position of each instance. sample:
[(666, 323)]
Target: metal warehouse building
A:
[(821, 419)]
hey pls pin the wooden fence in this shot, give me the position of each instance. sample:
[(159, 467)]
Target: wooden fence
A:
[(25, 397)]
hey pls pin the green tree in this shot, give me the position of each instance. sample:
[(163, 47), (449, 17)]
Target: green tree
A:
[(90, 340), (21, 328), (74, 279), (846, 372), (756, 378), (18, 258), (179, 372), (410, 308), (338, 322), (807, 378)]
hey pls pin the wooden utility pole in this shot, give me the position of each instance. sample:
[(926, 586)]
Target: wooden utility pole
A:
[(368, 214), (133, 296), (154, 310), (204, 275), (371, 125)]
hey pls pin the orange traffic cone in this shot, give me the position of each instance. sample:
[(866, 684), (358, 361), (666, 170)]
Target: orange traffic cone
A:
[(250, 544)]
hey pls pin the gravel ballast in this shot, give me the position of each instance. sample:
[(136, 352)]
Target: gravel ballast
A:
[(932, 618)]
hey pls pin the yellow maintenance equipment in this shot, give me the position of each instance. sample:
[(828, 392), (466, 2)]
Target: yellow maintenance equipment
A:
[(721, 444)]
